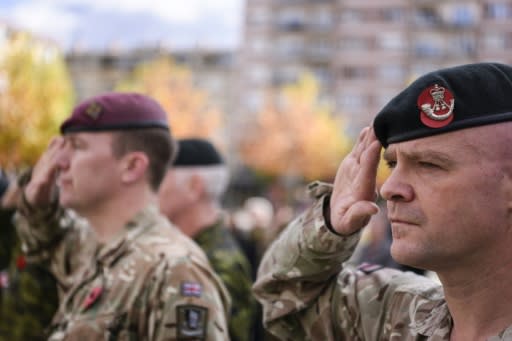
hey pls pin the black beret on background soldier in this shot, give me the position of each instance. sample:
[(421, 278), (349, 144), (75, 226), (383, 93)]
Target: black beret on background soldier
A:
[(447, 140), (190, 196), (90, 212)]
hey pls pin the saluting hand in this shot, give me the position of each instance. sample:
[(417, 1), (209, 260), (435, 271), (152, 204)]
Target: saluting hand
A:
[(38, 191), (354, 194)]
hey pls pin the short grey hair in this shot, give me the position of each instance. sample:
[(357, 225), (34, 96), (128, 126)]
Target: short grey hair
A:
[(215, 178)]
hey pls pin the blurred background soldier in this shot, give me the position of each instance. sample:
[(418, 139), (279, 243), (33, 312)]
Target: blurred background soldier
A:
[(28, 292), (190, 196)]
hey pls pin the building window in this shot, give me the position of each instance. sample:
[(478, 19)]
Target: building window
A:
[(391, 72), (394, 15), (291, 19), (391, 41), (426, 17), (259, 16), (498, 11), (351, 16), (355, 44), (495, 41), (355, 72)]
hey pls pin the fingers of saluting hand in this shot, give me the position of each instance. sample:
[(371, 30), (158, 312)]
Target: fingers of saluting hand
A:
[(38, 190), (352, 200)]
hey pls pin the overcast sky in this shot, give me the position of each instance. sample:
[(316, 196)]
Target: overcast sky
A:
[(98, 24)]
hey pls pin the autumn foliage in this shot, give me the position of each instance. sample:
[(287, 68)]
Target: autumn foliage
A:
[(172, 85), (36, 95), (299, 137)]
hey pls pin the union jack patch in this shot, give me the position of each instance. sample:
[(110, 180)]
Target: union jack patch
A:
[(189, 289)]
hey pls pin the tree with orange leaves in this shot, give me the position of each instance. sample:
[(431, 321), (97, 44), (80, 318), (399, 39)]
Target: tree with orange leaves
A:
[(299, 138), (188, 107), (36, 95)]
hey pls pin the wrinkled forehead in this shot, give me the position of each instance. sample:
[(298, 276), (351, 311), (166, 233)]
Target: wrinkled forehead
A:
[(482, 142)]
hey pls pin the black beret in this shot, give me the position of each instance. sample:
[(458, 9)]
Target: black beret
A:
[(116, 111), (445, 100), (197, 152)]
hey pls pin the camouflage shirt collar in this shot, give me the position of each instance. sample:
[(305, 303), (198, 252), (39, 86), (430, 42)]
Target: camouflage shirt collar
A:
[(438, 322), (141, 222)]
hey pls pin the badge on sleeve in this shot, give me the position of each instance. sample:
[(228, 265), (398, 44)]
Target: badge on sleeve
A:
[(192, 322), (368, 268), (189, 289)]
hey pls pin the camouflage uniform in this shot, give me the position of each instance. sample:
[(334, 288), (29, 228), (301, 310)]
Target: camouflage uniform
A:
[(307, 294), (28, 292), (230, 263), (151, 283)]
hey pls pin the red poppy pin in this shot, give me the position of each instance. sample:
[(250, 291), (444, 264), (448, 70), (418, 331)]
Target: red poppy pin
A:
[(92, 297), (21, 262), (436, 105)]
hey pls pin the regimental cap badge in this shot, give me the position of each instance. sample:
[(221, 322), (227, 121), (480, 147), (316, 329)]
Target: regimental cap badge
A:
[(93, 110), (436, 105)]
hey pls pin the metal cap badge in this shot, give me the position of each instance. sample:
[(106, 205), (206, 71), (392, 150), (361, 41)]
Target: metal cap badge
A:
[(436, 104)]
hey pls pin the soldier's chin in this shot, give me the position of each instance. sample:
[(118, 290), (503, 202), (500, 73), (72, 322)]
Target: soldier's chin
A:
[(65, 201)]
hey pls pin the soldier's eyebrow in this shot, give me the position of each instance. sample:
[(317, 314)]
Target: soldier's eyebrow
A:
[(422, 155)]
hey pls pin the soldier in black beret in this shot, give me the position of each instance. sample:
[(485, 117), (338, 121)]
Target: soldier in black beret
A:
[(447, 140), (190, 196), (89, 213)]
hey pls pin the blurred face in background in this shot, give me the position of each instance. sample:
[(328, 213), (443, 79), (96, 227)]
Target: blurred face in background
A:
[(176, 192)]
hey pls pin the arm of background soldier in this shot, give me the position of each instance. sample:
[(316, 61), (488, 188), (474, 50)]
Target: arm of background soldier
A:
[(185, 300)]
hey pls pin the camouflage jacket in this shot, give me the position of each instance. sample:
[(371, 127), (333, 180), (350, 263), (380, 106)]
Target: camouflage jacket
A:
[(232, 266), (307, 293), (151, 283), (28, 292)]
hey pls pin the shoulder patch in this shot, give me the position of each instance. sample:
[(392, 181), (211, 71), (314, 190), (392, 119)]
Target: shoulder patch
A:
[(368, 268), (192, 322), (189, 289)]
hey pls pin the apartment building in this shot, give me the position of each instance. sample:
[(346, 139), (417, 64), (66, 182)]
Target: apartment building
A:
[(364, 52), (94, 72)]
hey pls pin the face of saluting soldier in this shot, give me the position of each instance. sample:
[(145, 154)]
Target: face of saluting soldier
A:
[(449, 198), (89, 172)]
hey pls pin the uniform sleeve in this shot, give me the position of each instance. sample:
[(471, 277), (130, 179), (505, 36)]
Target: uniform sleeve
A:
[(55, 238), (188, 302), (306, 292)]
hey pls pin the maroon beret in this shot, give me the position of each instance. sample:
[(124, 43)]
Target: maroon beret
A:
[(116, 111)]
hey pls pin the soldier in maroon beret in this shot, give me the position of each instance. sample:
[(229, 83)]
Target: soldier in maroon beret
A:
[(447, 140), (90, 213)]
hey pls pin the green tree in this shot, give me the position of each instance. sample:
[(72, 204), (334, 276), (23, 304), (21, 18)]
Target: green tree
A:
[(36, 94), (300, 137)]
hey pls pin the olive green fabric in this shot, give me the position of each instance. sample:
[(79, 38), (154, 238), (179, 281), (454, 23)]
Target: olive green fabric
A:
[(28, 293), (232, 266)]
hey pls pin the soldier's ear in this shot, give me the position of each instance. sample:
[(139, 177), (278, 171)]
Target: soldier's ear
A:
[(134, 166), (196, 185)]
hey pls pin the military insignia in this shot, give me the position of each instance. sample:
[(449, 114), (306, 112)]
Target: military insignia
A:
[(92, 297), (93, 110), (368, 268), (436, 104), (189, 289), (192, 322)]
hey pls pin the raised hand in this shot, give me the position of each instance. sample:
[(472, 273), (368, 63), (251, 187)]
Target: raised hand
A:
[(38, 191), (354, 194)]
